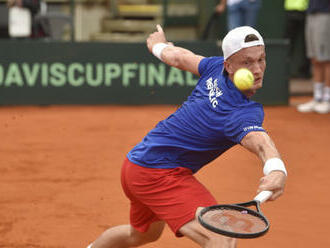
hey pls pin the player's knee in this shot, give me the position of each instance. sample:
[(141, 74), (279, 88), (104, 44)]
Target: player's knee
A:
[(144, 238), (205, 238), (220, 241), (216, 240), (153, 234), (152, 237)]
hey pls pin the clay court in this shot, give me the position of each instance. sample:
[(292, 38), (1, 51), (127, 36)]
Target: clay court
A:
[(60, 167)]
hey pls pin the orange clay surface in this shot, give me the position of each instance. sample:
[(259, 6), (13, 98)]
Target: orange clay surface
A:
[(60, 167)]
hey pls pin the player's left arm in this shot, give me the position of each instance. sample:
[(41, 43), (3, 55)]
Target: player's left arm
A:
[(178, 57), (275, 173)]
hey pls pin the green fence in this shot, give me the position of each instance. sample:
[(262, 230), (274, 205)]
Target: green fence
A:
[(34, 72)]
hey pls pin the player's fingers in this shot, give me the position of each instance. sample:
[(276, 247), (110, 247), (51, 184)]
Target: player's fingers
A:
[(271, 187), (266, 185), (263, 182), (159, 28), (276, 195)]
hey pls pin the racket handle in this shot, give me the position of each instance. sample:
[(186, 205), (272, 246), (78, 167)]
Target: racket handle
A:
[(263, 196)]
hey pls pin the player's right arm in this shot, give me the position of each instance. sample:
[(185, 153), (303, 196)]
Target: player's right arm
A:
[(262, 145), (178, 57)]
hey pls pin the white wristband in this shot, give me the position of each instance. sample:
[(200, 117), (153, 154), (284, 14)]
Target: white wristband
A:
[(158, 48), (274, 164)]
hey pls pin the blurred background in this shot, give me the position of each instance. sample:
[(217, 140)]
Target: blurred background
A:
[(60, 165), (101, 26)]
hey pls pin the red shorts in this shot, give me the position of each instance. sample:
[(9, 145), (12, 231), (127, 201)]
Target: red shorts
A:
[(170, 195)]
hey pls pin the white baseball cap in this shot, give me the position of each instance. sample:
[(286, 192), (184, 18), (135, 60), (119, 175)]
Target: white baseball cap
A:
[(235, 40)]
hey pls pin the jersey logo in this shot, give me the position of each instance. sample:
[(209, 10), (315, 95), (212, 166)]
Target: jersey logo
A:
[(214, 91), (252, 128)]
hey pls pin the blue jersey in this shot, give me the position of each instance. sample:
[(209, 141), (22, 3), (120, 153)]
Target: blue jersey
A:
[(215, 117)]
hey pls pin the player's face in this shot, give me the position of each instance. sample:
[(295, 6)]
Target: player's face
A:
[(252, 58)]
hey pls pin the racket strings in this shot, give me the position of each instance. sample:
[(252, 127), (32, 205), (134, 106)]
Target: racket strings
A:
[(234, 221)]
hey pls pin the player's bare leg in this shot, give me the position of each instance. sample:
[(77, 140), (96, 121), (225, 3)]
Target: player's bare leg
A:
[(206, 239), (318, 69), (125, 236), (321, 72)]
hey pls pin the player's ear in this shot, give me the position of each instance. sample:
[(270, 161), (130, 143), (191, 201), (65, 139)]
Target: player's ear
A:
[(228, 66)]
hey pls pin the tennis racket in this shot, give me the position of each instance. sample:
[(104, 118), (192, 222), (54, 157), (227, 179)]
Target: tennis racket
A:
[(237, 220)]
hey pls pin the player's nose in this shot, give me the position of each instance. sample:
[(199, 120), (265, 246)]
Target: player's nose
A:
[(256, 69)]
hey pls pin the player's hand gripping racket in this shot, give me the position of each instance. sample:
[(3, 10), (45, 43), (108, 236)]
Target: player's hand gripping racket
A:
[(237, 220)]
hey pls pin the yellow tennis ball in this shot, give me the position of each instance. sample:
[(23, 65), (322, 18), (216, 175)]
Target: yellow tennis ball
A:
[(243, 79)]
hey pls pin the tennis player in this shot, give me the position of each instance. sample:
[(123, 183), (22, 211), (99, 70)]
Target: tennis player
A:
[(157, 175)]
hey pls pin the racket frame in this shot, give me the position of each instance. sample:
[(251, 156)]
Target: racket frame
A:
[(240, 207)]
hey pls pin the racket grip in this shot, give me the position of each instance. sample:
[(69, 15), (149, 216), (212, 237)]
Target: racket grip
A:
[(263, 196)]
